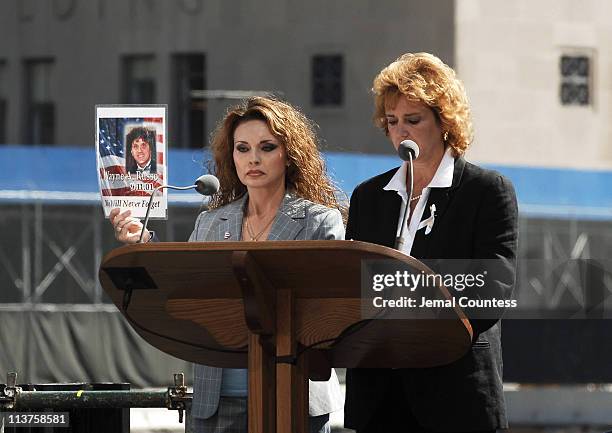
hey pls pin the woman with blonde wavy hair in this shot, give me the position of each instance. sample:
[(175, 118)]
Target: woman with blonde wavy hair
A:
[(273, 186), (456, 210)]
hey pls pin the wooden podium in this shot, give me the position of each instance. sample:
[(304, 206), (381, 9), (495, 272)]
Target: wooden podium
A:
[(262, 304)]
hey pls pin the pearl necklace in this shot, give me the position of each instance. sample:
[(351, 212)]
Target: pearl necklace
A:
[(415, 198)]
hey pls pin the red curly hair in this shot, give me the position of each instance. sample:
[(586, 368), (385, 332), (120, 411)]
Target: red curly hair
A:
[(306, 175)]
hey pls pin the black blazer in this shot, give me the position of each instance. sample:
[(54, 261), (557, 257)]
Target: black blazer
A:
[(476, 217)]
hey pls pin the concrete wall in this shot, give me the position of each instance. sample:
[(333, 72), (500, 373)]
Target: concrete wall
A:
[(259, 45), (508, 55)]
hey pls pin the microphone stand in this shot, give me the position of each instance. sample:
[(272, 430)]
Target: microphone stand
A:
[(399, 241), (146, 220)]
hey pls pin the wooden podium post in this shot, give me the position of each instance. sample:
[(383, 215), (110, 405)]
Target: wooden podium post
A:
[(291, 380), (252, 304)]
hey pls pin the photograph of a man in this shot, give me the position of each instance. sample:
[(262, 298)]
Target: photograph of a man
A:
[(140, 151)]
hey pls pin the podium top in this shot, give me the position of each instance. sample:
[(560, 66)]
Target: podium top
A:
[(187, 300)]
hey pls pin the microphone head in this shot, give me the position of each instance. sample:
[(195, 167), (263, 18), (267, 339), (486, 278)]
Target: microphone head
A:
[(406, 148), (207, 184)]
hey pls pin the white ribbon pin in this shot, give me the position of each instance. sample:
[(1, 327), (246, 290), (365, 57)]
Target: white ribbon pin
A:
[(429, 222)]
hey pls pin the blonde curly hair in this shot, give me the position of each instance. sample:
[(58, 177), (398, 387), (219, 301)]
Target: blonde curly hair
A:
[(423, 77), (306, 175)]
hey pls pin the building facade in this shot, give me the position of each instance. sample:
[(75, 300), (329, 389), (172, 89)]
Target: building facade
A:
[(539, 76), (60, 58)]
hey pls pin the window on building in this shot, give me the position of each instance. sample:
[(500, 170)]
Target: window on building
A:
[(39, 107), (138, 80), (189, 74), (327, 80), (3, 101), (575, 79)]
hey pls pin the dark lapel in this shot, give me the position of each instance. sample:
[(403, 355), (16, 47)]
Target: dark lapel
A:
[(389, 213), (440, 198)]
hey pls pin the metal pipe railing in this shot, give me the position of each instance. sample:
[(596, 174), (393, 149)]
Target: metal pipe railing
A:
[(15, 398)]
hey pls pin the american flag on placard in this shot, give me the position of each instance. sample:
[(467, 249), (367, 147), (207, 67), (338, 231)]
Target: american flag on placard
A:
[(111, 146)]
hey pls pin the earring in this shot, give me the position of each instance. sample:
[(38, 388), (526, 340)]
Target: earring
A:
[(445, 136)]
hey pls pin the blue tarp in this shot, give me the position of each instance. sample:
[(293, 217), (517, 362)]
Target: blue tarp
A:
[(68, 174)]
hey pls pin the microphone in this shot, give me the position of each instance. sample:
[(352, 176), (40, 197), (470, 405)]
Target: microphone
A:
[(407, 150), (206, 184)]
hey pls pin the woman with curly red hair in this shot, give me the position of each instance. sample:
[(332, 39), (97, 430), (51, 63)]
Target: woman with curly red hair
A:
[(273, 186)]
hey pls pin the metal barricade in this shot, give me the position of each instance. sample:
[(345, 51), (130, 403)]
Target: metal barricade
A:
[(90, 408)]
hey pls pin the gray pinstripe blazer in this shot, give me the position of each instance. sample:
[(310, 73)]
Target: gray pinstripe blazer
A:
[(297, 219)]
